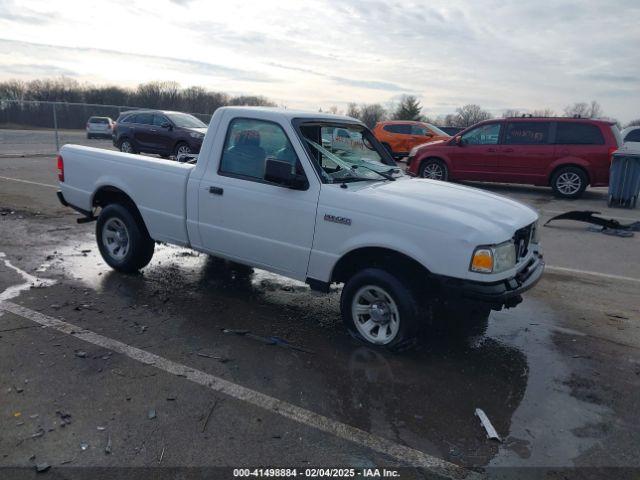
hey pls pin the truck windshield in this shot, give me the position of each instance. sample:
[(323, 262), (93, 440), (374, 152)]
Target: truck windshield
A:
[(184, 120), (345, 153)]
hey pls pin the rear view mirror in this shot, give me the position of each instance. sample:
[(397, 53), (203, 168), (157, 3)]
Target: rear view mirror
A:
[(279, 172)]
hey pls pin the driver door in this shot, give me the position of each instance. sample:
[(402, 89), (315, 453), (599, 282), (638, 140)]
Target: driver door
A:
[(477, 155), (246, 218)]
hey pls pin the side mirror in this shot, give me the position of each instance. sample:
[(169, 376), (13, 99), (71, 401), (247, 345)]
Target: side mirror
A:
[(167, 125), (279, 172), (457, 140)]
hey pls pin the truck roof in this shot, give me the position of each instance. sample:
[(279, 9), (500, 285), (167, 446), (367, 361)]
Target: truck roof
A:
[(292, 113)]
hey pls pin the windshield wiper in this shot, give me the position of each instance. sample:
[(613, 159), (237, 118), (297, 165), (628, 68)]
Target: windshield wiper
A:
[(382, 174)]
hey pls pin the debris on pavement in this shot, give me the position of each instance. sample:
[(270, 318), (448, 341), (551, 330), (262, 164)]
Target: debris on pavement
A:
[(101, 428), (64, 417), (42, 467), (267, 340), (107, 449), (39, 433), (607, 226), (84, 446), (206, 422), (151, 414), (215, 357), (491, 432), (161, 456), (81, 354)]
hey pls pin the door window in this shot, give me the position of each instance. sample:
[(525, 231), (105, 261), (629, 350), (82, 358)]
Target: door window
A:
[(527, 133), (633, 136), (144, 118), (159, 120), (401, 128), (574, 133), (418, 130), (250, 143), (482, 135)]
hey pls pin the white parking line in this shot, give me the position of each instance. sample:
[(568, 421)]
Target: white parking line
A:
[(29, 182), (551, 268), (404, 454)]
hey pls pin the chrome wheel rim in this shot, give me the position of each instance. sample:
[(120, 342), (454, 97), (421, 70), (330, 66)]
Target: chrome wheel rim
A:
[(126, 147), (433, 171), (184, 150), (569, 183), (115, 238), (375, 315)]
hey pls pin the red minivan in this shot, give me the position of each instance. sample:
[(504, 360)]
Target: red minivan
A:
[(565, 153)]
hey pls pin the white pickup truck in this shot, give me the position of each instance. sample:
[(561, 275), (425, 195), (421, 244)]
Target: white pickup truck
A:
[(413, 254)]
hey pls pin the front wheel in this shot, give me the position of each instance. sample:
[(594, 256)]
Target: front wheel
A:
[(127, 146), (182, 149), (380, 309), (123, 243), (434, 169), (569, 182)]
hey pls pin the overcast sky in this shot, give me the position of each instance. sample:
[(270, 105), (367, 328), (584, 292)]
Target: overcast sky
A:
[(523, 54)]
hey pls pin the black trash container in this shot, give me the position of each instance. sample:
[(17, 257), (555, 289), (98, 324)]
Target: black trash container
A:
[(624, 176)]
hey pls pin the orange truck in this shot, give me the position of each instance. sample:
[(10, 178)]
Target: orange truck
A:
[(400, 136)]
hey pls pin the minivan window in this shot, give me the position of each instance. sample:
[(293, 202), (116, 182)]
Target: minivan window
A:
[(527, 133), (159, 120), (574, 133), (129, 119), (483, 135)]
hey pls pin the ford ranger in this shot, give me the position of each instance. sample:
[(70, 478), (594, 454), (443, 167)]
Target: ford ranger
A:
[(268, 192)]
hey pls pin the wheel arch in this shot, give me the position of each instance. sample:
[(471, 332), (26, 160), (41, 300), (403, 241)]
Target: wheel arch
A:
[(386, 258), (576, 163), (108, 194)]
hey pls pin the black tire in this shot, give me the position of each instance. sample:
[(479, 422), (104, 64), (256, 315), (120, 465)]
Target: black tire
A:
[(430, 167), (140, 246), (179, 146), (560, 182), (122, 145), (406, 303)]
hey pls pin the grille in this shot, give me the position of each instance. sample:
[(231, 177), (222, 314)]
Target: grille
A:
[(521, 240)]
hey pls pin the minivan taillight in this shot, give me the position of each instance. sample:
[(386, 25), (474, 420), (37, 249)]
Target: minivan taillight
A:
[(611, 151), (60, 168)]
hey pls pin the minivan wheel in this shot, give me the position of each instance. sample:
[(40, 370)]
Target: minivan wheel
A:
[(569, 182), (435, 169), (123, 243), (182, 149), (126, 146), (380, 309)]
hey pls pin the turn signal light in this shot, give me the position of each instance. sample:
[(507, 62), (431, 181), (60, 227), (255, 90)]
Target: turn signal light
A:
[(482, 261)]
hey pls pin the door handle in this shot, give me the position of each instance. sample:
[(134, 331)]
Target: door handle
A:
[(216, 190), (491, 149), (508, 150)]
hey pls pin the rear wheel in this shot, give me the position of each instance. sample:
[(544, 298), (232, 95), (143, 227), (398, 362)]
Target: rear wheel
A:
[(434, 169), (123, 243), (569, 182), (380, 309)]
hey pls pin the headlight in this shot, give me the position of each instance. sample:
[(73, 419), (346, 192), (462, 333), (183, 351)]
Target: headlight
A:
[(494, 259), (196, 135), (535, 235)]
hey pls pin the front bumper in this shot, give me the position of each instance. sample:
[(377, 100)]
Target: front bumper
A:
[(505, 293)]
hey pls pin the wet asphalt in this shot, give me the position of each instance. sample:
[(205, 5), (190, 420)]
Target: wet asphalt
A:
[(558, 376)]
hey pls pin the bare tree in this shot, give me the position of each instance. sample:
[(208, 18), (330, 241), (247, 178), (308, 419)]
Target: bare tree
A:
[(633, 123), (545, 112), (353, 110), (372, 114), (470, 114), (510, 113), (584, 110)]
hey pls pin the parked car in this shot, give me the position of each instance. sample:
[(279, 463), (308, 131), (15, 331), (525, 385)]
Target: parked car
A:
[(565, 153), (412, 254), (631, 134), (162, 132), (99, 127), (399, 137), (451, 130)]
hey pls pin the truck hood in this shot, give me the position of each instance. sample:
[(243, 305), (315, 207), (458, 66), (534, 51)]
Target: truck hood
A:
[(471, 213)]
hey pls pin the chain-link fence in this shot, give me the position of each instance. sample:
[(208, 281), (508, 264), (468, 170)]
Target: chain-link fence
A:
[(29, 127)]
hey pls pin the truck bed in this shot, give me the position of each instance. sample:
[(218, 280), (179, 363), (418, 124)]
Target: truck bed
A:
[(157, 186)]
